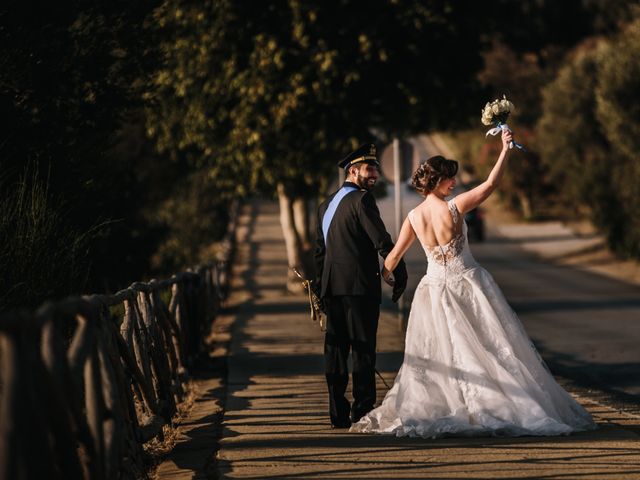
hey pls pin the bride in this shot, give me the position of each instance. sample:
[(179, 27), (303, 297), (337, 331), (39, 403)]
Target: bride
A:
[(469, 367)]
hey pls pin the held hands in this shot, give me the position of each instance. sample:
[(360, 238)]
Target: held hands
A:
[(400, 274), (397, 280), (387, 276)]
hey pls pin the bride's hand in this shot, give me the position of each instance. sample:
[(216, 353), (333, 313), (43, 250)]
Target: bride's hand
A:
[(507, 138), (387, 276)]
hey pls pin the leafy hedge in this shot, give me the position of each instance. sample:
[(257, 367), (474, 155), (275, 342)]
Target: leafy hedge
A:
[(591, 131)]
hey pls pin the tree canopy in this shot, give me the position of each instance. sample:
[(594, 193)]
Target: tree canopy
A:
[(70, 77), (125, 125), (280, 93), (591, 124)]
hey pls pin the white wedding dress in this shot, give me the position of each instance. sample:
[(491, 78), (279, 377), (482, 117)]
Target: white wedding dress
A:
[(469, 366)]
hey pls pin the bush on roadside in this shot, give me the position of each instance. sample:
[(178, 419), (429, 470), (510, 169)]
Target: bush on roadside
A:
[(618, 112), (42, 257), (574, 148), (591, 131), (196, 215)]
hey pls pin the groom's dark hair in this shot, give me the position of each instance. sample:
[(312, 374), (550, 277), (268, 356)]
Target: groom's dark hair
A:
[(429, 174)]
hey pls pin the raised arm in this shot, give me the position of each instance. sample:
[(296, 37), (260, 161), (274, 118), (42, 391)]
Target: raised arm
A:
[(467, 201)]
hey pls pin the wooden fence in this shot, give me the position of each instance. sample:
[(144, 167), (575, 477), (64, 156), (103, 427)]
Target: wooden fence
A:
[(85, 382)]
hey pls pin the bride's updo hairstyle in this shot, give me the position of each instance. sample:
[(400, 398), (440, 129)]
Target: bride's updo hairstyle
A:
[(430, 173)]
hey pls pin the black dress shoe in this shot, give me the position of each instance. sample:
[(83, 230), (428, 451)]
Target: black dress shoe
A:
[(341, 424)]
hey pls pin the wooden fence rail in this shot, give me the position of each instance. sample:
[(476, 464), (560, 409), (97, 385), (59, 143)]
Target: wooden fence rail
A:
[(83, 388)]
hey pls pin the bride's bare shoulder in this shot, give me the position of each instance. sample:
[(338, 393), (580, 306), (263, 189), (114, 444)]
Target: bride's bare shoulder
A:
[(421, 209), (434, 206)]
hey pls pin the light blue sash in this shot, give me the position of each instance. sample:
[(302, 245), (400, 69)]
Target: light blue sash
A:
[(331, 209)]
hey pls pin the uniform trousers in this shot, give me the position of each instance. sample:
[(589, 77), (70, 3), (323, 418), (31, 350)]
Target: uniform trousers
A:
[(352, 324)]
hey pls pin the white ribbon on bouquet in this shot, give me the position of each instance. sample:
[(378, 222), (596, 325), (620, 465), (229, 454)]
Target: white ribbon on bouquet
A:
[(503, 126)]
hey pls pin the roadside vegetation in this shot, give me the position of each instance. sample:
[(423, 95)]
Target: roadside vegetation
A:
[(578, 113), (128, 128)]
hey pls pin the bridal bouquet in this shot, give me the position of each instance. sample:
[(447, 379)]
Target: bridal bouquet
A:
[(496, 113)]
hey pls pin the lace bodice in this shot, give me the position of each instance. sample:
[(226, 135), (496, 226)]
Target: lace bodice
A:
[(453, 257)]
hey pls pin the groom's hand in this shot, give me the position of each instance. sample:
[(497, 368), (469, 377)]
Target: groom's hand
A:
[(316, 292), (400, 276)]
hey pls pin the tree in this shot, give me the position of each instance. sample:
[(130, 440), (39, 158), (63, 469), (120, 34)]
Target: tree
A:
[(590, 125), (271, 98), (574, 147), (619, 75), (521, 62), (618, 113), (70, 77)]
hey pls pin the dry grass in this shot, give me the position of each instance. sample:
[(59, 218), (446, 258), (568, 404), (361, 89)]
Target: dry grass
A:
[(157, 449)]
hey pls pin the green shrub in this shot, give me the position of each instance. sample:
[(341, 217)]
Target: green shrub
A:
[(618, 112), (617, 104), (574, 147), (195, 216), (41, 256), (591, 131)]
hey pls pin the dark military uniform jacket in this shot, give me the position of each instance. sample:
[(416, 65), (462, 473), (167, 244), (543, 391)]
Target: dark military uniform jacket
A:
[(347, 263)]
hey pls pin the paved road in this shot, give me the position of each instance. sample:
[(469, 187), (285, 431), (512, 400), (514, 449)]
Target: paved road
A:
[(586, 325)]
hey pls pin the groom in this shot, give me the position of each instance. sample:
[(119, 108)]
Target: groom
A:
[(350, 236)]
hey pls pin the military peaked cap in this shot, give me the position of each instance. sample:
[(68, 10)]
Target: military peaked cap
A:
[(364, 153)]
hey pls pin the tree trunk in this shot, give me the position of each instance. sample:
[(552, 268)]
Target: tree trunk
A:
[(525, 205), (291, 239), (302, 208), (301, 222)]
